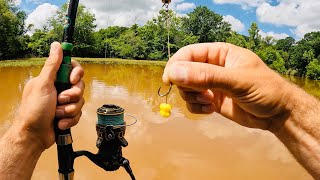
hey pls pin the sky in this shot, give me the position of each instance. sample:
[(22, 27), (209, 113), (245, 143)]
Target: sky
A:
[(277, 18)]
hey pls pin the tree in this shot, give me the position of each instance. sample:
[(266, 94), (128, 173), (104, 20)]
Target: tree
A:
[(285, 44), (304, 51), (313, 70), (129, 45), (12, 29), (207, 25), (103, 36), (254, 37), (155, 34), (237, 39), (40, 43), (84, 30), (312, 41), (272, 58)]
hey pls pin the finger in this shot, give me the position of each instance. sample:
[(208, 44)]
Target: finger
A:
[(72, 95), (187, 89), (69, 110), (53, 62), (201, 108), (213, 53), (201, 76), (77, 72), (67, 123), (204, 98)]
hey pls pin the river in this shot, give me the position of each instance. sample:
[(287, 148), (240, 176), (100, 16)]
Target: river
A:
[(182, 147)]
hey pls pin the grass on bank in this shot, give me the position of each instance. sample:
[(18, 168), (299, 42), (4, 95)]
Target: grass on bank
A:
[(40, 61)]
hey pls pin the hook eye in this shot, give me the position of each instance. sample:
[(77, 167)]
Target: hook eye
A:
[(166, 94)]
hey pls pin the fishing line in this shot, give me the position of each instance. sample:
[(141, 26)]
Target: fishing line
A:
[(165, 108)]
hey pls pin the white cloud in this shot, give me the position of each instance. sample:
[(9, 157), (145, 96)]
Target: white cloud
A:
[(245, 4), (122, 13), (303, 29), (185, 6), (276, 36), (41, 15), (126, 12), (236, 24), (301, 15)]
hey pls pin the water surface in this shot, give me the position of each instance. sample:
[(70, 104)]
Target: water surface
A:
[(182, 147)]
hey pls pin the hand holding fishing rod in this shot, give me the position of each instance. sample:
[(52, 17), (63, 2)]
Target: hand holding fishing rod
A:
[(32, 131), (110, 133), (64, 137)]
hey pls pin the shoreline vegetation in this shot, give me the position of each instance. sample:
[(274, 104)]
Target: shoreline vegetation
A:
[(288, 56), (40, 61)]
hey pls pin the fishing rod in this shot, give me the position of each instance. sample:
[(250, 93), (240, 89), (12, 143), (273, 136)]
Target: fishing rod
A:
[(110, 126), (64, 137)]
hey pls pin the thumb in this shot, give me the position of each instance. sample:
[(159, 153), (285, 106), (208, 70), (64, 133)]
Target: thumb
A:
[(200, 76), (53, 62)]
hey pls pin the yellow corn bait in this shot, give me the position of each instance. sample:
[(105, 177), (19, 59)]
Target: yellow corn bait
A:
[(165, 110)]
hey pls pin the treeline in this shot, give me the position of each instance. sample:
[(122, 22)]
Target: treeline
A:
[(301, 58)]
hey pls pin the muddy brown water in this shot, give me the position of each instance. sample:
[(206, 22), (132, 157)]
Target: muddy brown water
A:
[(182, 147)]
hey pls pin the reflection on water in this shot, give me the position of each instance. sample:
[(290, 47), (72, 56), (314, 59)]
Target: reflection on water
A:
[(311, 86), (177, 148)]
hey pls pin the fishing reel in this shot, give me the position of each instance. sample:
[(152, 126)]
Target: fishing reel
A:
[(111, 129)]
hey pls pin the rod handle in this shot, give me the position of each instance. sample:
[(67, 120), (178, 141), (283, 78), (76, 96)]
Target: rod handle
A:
[(63, 137), (63, 78)]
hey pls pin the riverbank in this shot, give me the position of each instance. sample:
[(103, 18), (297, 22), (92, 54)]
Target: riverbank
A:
[(40, 61)]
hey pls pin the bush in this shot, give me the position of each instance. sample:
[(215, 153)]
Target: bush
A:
[(313, 70)]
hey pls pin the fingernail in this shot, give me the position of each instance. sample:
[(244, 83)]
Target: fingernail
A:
[(63, 125), (179, 73), (53, 48), (64, 99), (59, 112), (208, 109)]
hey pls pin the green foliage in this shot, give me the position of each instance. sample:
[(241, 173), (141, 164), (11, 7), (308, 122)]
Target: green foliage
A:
[(84, 30), (40, 43), (255, 39), (103, 39), (313, 70), (150, 41), (272, 58), (238, 40), (12, 40), (207, 25), (129, 45), (285, 44)]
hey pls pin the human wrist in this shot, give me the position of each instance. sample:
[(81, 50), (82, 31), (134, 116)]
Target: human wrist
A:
[(299, 132), (19, 155), (23, 138), (302, 111)]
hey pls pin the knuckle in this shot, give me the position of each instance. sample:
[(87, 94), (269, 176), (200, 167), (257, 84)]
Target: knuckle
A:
[(72, 110), (77, 92)]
